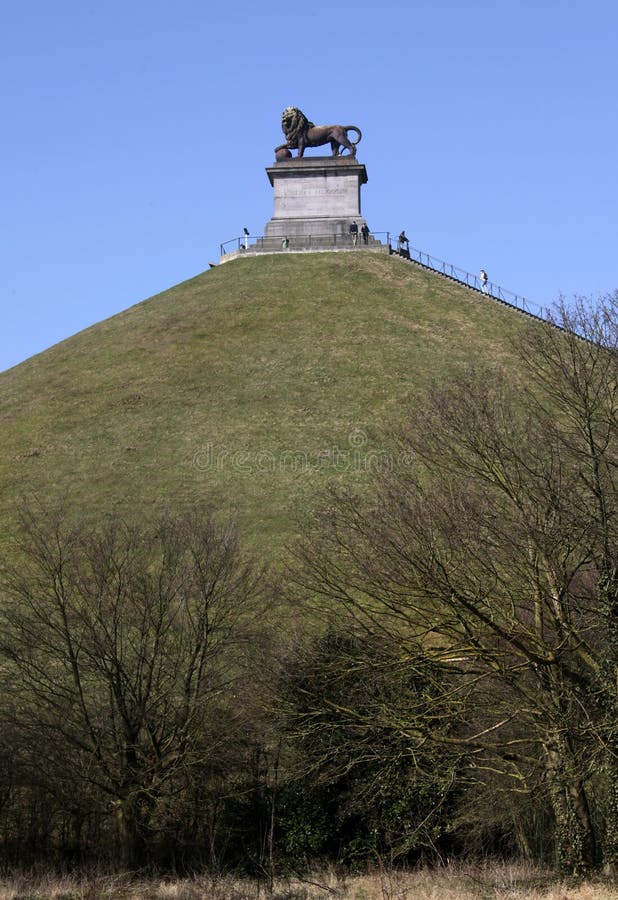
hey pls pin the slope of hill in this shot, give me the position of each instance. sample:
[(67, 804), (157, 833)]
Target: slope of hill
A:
[(250, 384)]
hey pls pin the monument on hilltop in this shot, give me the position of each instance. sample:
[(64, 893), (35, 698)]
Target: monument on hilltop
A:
[(318, 197), (317, 200)]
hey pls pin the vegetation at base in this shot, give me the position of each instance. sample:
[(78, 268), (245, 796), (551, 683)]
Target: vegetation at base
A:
[(454, 881), (369, 791)]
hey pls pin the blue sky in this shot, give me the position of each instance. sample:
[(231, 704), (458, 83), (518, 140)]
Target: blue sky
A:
[(136, 134)]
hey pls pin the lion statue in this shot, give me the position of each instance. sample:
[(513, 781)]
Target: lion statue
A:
[(300, 133)]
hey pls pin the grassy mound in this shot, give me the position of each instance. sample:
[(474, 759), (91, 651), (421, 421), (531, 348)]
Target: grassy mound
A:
[(251, 384)]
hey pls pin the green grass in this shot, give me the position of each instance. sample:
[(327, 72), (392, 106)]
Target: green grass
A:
[(208, 388)]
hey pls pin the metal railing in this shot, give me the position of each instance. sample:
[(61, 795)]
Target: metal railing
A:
[(268, 243), (309, 242), (467, 278)]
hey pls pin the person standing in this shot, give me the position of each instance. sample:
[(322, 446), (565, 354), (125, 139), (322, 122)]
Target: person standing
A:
[(403, 244), (354, 233), (245, 231), (483, 280), (365, 232)]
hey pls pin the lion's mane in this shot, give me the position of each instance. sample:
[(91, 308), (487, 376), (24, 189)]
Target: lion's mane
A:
[(294, 123)]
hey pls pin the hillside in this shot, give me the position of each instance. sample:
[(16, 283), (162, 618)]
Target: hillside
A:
[(251, 384)]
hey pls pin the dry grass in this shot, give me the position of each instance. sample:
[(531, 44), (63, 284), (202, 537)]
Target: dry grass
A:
[(455, 882)]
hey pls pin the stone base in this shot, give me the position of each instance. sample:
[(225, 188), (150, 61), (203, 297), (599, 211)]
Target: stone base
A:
[(301, 228), (317, 195)]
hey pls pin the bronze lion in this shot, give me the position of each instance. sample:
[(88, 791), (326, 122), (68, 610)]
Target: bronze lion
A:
[(300, 133)]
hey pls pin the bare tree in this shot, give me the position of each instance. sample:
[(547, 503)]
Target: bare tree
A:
[(575, 370), (122, 645), (495, 549)]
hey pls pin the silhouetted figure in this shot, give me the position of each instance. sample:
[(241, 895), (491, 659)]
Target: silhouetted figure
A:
[(365, 232), (354, 233)]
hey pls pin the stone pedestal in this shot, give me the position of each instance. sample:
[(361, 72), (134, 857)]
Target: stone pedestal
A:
[(316, 196)]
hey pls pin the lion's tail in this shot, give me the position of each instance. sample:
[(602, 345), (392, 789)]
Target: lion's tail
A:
[(357, 130)]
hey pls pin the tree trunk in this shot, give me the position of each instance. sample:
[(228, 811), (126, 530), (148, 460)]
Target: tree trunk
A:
[(608, 598), (134, 812), (610, 837), (575, 839)]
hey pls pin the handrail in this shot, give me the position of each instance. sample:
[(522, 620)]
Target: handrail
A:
[(248, 243), (298, 242), (472, 281)]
